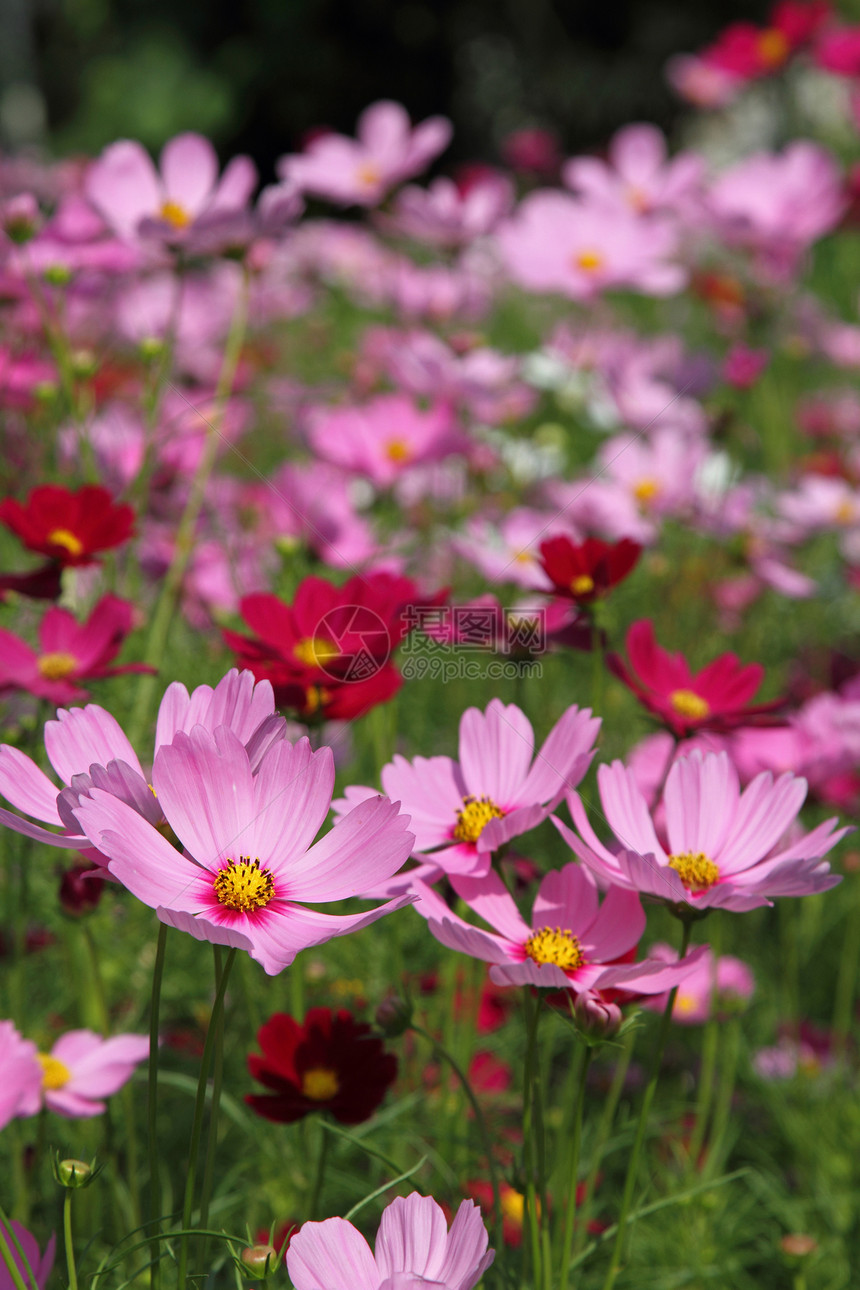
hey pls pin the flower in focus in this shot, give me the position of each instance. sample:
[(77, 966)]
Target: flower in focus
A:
[(83, 1068), (329, 1062), (247, 826), (413, 1248), (69, 652), (716, 986), (716, 698), (724, 849), (69, 527), (574, 942), (20, 1077), (586, 570), (39, 1265)]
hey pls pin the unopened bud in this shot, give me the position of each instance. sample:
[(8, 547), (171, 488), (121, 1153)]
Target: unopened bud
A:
[(151, 347), (798, 1245), (20, 218), (84, 362), (57, 275), (73, 1173), (259, 1260), (394, 1016), (595, 1019)]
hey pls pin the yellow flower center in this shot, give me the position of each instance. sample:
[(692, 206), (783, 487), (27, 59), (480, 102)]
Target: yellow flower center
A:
[(588, 260), (66, 538), (55, 1074), (524, 557), (552, 945), (475, 815), (398, 450), (243, 886), (773, 47), (689, 704), (316, 697), (320, 1084), (582, 585), (646, 490), (55, 667), (684, 1004), (368, 174), (845, 512), (695, 870), (315, 651), (174, 214), (513, 1205)]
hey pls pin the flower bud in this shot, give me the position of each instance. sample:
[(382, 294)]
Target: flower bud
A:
[(595, 1019), (393, 1016), (258, 1260), (798, 1245), (20, 218), (57, 275), (73, 1173)]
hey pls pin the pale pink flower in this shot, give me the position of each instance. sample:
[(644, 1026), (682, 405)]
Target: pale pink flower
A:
[(413, 1249), (361, 171), (712, 987), (821, 503), (436, 291), (443, 214), (701, 82), (135, 198), (82, 1069), (249, 861), (659, 472), (508, 549), (383, 438), (20, 1075), (639, 175), (572, 942), (724, 847)]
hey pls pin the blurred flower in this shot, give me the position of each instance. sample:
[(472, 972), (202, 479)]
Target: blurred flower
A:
[(20, 1078), (33, 1262), (80, 890), (584, 571), (742, 366), (83, 1068), (714, 988), (329, 1062), (70, 527)]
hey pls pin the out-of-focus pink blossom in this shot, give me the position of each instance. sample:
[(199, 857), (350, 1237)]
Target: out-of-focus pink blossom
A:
[(640, 176), (445, 215), (82, 1069), (713, 987), (20, 1076), (743, 366), (383, 438)]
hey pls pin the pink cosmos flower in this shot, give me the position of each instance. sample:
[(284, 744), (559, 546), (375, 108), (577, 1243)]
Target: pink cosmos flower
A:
[(70, 651), (445, 215), (508, 549), (383, 438), (724, 847), (87, 745), (413, 1249), (361, 171), (462, 811), (659, 472), (640, 176), (743, 366), (720, 986), (572, 943), (83, 1068), (20, 1075), (247, 829), (136, 199), (558, 243), (39, 1265), (700, 82)]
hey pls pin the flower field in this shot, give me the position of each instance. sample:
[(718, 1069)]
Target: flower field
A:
[(430, 702)]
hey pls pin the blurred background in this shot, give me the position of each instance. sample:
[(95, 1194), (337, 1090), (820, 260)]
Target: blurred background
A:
[(257, 75)]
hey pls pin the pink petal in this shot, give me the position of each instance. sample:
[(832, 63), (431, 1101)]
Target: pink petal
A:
[(292, 797), (235, 185), (651, 976), (701, 798), (26, 786), (189, 171), (431, 792), (489, 898), (567, 898), (467, 1257), (626, 810), (363, 849), (82, 737), (413, 1237), (496, 751), (762, 816), (206, 790), (564, 757), (616, 929), (332, 1255), (123, 186)]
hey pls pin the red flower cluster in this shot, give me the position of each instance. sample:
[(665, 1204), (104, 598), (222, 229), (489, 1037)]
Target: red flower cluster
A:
[(716, 698), (328, 654), (584, 571), (330, 1063), (748, 52)]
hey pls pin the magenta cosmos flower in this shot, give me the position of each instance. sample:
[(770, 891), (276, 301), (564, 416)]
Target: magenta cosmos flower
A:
[(83, 1068), (572, 942), (87, 746), (34, 1267), (20, 1075), (247, 831), (725, 849), (133, 197), (413, 1249), (462, 811)]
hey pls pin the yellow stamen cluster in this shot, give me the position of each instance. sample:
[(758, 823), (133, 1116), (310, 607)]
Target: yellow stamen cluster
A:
[(689, 704), (175, 215), (773, 47), (695, 870), (646, 490), (552, 945), (56, 667), (55, 1074), (66, 539), (473, 818), (589, 260), (368, 174), (513, 1205), (398, 450), (320, 1084), (243, 886), (315, 651), (582, 584)]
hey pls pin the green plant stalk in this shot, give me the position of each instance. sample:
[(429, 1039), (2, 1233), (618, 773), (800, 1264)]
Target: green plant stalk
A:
[(197, 1125), (152, 1107), (67, 1236), (723, 1108), (11, 1266), (846, 981), (166, 604), (532, 1217), (642, 1126), (479, 1120), (319, 1174), (710, 1044), (573, 1171), (214, 1108), (540, 1154), (604, 1128)]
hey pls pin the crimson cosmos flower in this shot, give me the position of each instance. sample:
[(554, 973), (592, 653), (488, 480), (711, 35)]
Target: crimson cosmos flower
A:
[(584, 571), (716, 698), (329, 1063), (69, 527)]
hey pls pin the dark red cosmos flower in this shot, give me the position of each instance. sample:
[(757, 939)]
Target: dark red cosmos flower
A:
[(584, 571), (329, 1063), (328, 654), (748, 51), (716, 698), (69, 527)]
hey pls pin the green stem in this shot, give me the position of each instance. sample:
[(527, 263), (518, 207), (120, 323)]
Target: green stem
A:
[(710, 1045), (67, 1234), (11, 1266), (604, 1128), (217, 1082), (319, 1175), (532, 1219), (642, 1126), (723, 1108), (573, 1172), (846, 982), (479, 1120), (152, 1108), (184, 545), (197, 1126)]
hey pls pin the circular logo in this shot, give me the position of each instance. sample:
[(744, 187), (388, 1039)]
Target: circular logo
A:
[(360, 638)]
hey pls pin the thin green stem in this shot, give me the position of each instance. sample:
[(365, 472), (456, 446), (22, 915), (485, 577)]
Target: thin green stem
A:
[(846, 981), (710, 1045), (11, 1266), (67, 1236), (604, 1128), (642, 1126), (532, 1218), (197, 1125), (723, 1108), (573, 1171), (214, 1107), (152, 1107), (319, 1174)]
